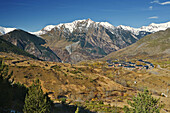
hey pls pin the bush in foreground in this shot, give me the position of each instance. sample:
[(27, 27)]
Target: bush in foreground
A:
[(143, 103), (36, 101)]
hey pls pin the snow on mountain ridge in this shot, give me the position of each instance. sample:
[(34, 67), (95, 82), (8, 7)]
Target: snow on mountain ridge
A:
[(49, 27), (153, 27), (71, 26), (4, 30), (128, 28), (107, 25), (156, 27)]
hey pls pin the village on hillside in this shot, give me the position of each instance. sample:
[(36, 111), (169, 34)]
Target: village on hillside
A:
[(139, 64)]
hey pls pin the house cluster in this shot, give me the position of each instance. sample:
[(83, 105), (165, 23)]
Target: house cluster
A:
[(131, 65)]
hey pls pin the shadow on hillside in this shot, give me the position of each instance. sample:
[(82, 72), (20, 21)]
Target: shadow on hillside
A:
[(12, 96), (65, 108)]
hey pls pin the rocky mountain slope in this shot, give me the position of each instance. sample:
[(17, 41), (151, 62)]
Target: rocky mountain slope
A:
[(7, 47), (31, 44), (86, 39), (153, 45)]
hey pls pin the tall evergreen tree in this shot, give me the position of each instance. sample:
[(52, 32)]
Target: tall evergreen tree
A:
[(143, 103), (36, 101)]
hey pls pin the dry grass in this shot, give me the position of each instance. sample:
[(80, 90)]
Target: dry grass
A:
[(79, 82)]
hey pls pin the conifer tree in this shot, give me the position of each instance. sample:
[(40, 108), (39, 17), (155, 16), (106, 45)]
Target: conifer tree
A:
[(143, 103), (36, 101)]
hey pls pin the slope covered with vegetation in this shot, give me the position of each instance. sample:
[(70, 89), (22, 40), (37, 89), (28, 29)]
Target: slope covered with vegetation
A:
[(91, 85), (155, 45)]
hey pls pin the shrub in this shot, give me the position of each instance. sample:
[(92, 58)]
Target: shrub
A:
[(35, 100), (25, 76), (63, 100), (143, 103), (101, 102), (75, 72)]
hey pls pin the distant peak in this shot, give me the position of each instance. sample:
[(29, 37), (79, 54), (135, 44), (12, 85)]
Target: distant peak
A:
[(153, 27), (49, 27), (76, 21), (123, 26), (107, 25), (4, 30), (159, 24), (89, 19), (152, 24)]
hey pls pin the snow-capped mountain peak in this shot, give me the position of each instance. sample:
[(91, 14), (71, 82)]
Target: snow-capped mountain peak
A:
[(153, 27), (106, 25), (128, 28), (44, 30), (86, 23), (4, 30), (73, 25), (69, 26), (49, 27)]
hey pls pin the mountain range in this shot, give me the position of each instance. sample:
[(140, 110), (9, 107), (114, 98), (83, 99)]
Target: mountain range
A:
[(31, 44), (79, 40), (85, 40), (156, 45), (153, 27), (7, 47)]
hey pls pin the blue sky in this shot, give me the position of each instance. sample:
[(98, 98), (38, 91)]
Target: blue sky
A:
[(33, 15)]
